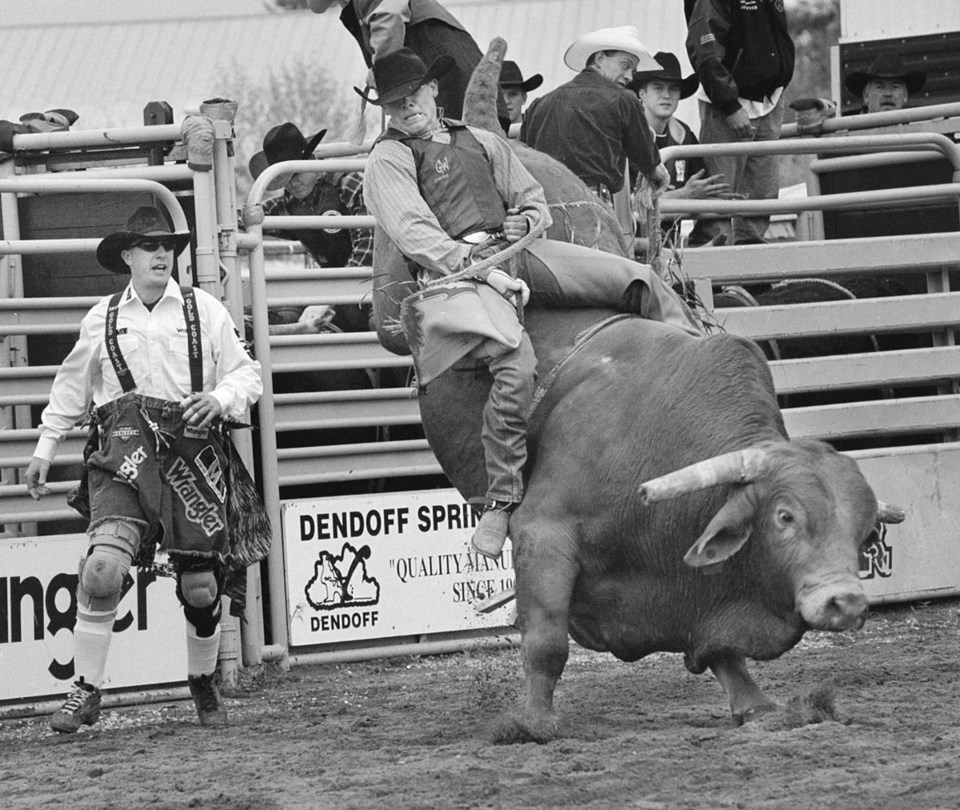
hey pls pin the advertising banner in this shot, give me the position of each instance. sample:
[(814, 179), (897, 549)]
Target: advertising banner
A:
[(377, 566), (38, 609)]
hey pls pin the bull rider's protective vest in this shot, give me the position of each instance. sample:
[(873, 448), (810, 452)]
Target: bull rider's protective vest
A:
[(456, 181)]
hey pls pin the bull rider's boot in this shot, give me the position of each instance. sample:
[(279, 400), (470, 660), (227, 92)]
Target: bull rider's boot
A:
[(491, 531)]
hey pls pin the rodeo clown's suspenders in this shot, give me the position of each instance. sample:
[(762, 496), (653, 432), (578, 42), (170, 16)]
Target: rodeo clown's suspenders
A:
[(194, 346)]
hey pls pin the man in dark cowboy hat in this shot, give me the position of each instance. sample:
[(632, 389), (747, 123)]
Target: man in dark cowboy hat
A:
[(315, 194), (660, 92), (161, 366), (515, 88), (449, 195), (886, 84), (426, 27)]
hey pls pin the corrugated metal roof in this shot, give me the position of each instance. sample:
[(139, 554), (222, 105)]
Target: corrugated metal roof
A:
[(108, 71)]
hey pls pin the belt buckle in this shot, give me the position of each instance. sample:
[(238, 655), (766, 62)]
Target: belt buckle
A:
[(475, 238)]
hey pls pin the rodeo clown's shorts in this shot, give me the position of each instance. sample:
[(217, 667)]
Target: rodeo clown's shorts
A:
[(155, 470)]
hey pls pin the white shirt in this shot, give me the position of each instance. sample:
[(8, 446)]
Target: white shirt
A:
[(154, 346)]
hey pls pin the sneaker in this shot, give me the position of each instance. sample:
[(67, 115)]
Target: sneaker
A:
[(207, 699), (82, 707), (491, 532)]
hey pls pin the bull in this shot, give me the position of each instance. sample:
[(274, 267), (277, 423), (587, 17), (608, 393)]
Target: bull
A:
[(666, 507)]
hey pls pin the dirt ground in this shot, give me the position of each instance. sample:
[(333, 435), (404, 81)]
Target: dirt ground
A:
[(872, 720)]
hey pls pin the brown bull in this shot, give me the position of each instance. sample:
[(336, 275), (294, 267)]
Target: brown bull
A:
[(666, 508)]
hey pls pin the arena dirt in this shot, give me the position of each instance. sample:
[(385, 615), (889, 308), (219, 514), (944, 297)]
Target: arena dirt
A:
[(872, 721)]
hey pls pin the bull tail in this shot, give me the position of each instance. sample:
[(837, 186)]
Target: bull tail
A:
[(480, 100)]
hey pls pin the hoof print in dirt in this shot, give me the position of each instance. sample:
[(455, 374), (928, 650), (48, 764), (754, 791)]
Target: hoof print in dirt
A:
[(811, 708)]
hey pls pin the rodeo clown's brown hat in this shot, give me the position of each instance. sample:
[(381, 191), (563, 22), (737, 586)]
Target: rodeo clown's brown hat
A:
[(670, 71), (400, 73), (512, 79), (147, 223), (886, 65), (283, 142)]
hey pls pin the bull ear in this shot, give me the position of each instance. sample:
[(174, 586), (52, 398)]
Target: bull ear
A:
[(725, 535)]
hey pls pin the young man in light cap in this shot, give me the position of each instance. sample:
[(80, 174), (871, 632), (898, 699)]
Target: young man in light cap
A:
[(162, 366), (593, 124), (450, 196)]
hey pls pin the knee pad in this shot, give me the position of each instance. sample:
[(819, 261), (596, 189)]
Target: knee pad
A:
[(199, 593), (102, 569)]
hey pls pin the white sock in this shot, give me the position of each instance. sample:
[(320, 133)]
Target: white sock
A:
[(92, 636), (201, 652)]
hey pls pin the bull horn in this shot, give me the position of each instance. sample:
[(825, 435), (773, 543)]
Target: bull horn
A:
[(888, 513), (741, 466)]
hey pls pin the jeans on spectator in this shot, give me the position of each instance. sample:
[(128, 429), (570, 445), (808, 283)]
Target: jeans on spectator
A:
[(756, 177)]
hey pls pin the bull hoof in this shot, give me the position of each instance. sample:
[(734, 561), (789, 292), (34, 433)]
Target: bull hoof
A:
[(525, 729)]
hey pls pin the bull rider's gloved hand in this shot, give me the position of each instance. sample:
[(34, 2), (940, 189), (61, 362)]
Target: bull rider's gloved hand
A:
[(507, 286)]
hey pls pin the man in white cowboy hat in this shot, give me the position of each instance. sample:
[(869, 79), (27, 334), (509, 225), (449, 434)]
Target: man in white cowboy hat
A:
[(315, 194), (660, 92), (885, 85), (160, 366), (593, 124), (426, 27), (450, 195), (515, 88), (743, 55)]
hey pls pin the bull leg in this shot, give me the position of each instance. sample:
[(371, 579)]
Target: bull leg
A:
[(746, 699), (545, 580)]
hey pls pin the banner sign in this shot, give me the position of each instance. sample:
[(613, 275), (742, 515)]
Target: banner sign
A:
[(38, 610), (364, 567)]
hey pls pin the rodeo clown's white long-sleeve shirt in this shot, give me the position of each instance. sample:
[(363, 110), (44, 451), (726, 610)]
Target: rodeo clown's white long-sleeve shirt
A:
[(154, 346)]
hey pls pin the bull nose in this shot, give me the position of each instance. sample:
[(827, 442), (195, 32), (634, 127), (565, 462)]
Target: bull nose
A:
[(847, 611)]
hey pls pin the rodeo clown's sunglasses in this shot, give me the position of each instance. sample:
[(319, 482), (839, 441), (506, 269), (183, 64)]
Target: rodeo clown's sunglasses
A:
[(152, 245)]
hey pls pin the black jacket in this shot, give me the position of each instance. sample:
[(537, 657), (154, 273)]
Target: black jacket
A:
[(739, 48)]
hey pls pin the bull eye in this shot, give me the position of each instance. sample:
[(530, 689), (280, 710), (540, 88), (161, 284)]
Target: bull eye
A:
[(785, 518)]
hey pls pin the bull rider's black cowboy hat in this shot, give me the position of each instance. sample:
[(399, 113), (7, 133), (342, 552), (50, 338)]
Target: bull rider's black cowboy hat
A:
[(283, 142), (670, 71), (147, 223), (886, 65), (400, 73), (512, 79)]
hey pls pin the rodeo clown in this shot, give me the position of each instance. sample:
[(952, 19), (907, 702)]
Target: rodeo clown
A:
[(161, 365), (451, 196)]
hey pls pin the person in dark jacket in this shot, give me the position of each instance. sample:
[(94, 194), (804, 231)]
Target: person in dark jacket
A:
[(428, 29), (744, 58)]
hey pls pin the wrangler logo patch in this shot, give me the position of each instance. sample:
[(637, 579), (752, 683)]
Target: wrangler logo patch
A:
[(443, 166), (125, 433), (197, 508), (208, 463), (130, 469)]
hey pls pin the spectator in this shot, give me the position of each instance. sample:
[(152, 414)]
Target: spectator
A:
[(593, 124), (515, 88), (660, 92), (886, 84), (428, 29), (315, 194), (743, 56), (162, 366)]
